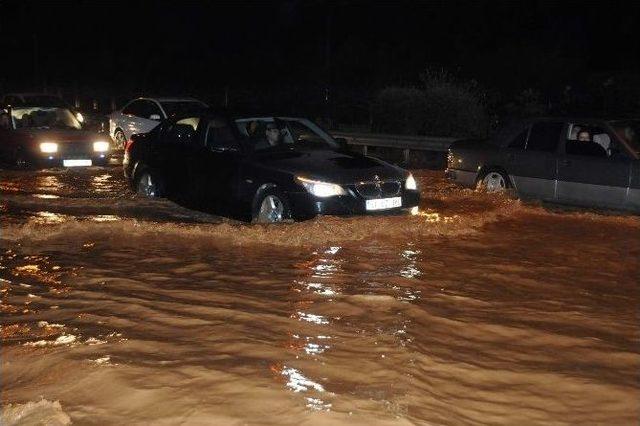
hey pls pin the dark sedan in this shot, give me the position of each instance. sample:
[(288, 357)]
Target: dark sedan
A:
[(587, 162), (266, 169), (48, 136)]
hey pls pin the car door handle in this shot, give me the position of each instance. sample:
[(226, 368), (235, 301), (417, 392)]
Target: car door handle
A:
[(565, 163)]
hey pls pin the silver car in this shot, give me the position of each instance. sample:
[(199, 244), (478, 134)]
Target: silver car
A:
[(142, 115), (586, 162)]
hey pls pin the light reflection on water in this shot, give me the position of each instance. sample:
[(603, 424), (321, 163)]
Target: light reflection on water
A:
[(105, 218), (46, 196), (101, 183), (49, 218), (411, 269), (48, 183), (433, 217), (316, 319)]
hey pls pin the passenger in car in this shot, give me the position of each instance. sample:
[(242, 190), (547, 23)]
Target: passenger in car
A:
[(585, 146), (584, 136)]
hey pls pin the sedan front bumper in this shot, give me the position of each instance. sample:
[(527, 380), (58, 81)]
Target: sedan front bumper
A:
[(57, 161), (305, 205)]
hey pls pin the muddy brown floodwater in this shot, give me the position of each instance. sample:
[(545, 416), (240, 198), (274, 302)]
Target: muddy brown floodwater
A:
[(480, 310)]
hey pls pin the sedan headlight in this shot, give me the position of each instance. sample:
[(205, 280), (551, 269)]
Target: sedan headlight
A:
[(49, 147), (101, 146), (410, 183), (321, 189)]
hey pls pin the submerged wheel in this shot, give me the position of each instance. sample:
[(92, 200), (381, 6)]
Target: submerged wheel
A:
[(120, 139), (149, 185), (494, 181), (271, 207)]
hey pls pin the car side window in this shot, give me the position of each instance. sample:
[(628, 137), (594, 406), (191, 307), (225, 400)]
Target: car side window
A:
[(544, 137), (589, 139), (151, 108), (178, 133), (219, 135), (191, 121), (519, 141), (302, 133), (135, 108)]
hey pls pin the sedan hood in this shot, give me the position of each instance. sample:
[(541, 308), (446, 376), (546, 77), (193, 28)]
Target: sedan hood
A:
[(328, 166)]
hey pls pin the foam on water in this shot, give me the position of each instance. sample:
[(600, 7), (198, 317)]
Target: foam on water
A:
[(43, 412)]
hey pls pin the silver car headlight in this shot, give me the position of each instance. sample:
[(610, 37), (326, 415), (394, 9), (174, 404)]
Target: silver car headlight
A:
[(48, 147), (321, 189), (101, 146), (410, 183)]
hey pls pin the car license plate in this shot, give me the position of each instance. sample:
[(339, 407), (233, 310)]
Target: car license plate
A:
[(384, 203), (76, 163)]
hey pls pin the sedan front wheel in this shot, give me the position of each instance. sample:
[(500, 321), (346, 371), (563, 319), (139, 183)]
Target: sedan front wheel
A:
[(272, 207), (494, 181), (149, 185)]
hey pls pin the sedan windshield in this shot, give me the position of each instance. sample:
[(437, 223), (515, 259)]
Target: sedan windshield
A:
[(43, 118), (269, 132), (629, 131)]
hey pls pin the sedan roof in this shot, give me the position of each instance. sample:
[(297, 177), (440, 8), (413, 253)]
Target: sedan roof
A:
[(170, 99)]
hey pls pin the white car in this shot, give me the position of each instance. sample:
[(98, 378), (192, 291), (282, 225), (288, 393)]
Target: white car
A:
[(142, 115)]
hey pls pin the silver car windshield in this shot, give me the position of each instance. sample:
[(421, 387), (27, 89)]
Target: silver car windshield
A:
[(43, 118), (268, 132), (629, 131)]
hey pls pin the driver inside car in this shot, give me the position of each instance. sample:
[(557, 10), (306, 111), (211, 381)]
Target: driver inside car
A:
[(271, 136)]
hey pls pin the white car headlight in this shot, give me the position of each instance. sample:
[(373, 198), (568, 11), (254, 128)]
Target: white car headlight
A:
[(79, 117), (321, 189), (101, 146), (49, 147), (411, 183)]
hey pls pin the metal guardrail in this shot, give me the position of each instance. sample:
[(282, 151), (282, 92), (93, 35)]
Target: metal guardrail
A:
[(401, 142), (404, 142)]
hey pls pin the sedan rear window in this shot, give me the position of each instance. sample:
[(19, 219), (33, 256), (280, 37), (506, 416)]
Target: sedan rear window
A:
[(629, 131)]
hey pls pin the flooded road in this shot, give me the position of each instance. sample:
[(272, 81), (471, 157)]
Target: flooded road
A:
[(481, 309)]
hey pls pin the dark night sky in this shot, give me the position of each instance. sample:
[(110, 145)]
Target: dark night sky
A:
[(182, 46)]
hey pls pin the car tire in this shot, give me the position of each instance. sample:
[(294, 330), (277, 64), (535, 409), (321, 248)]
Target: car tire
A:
[(493, 181), (271, 206), (120, 139), (149, 184)]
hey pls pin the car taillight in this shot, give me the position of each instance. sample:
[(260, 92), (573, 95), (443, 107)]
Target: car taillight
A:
[(128, 145)]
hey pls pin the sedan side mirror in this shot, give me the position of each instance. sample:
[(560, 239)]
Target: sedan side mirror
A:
[(155, 117), (343, 143)]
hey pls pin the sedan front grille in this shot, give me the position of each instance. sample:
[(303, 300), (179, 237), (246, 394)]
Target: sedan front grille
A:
[(378, 189), (76, 149)]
